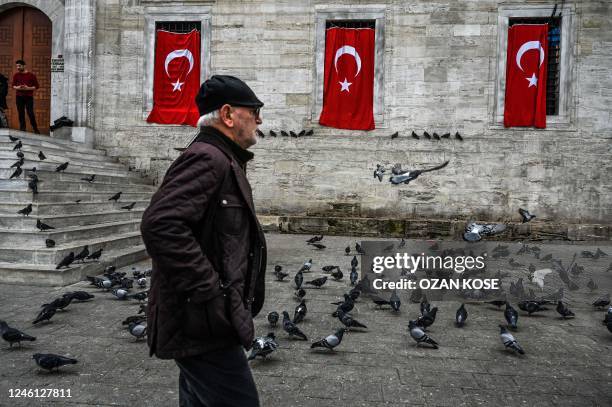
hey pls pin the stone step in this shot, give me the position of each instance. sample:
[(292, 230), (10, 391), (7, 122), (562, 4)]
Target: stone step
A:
[(51, 175), (66, 208), (47, 275), (80, 186), (40, 254), (40, 140), (27, 237), (53, 153), (62, 196), (88, 167), (20, 222)]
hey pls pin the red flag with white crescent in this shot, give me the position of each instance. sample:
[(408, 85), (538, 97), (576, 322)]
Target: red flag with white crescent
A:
[(348, 84), (176, 78), (525, 102)]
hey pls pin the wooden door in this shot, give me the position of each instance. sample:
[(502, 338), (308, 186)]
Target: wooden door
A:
[(25, 33)]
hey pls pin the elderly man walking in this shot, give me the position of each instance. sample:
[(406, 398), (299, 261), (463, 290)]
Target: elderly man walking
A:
[(209, 253)]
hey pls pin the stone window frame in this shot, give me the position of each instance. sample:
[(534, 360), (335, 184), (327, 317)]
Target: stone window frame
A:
[(567, 107), (350, 12), (155, 14)]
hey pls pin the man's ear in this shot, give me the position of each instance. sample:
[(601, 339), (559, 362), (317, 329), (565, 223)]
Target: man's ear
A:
[(225, 114)]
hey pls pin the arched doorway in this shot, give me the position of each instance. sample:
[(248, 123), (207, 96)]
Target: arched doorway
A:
[(26, 33)]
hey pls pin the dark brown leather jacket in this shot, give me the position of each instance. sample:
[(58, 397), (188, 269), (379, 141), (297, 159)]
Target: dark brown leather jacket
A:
[(208, 252)]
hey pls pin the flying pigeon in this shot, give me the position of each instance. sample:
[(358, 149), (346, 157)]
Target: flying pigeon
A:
[(508, 340), (525, 215), (419, 335), (273, 318), (411, 175), (12, 335), (49, 361), (475, 231), (330, 341), (263, 346), (564, 311), (379, 172), (461, 316), (291, 328), (539, 275)]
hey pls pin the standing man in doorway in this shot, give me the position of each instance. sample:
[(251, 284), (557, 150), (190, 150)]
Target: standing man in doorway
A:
[(25, 84)]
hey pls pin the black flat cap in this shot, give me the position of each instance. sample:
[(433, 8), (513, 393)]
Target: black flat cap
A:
[(224, 89)]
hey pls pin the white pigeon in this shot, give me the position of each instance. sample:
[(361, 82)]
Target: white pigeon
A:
[(538, 277)]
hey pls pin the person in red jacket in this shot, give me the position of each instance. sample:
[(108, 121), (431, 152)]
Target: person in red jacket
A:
[(25, 84)]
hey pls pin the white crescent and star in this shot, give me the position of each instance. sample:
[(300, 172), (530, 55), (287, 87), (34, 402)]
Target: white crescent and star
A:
[(348, 50), (178, 53), (529, 45)]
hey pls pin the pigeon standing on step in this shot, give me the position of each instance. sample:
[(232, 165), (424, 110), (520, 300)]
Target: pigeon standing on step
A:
[(16, 173), (25, 211), (263, 346), (291, 328), (41, 156), (95, 255), (49, 361), (49, 243), (13, 139), (33, 183), (129, 207), (330, 341), (18, 146), (89, 179), (82, 254), (461, 316), (508, 340), (115, 197), (43, 226), (62, 167), (419, 335), (17, 163), (13, 335), (66, 261)]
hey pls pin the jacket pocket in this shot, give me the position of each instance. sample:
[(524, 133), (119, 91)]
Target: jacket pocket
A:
[(207, 320), (230, 215)]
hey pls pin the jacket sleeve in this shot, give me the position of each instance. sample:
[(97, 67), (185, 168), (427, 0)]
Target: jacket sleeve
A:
[(176, 211)]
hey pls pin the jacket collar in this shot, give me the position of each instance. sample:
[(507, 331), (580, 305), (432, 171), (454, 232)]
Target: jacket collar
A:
[(213, 136)]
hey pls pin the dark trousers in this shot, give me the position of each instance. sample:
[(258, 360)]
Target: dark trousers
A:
[(217, 379), (26, 103)]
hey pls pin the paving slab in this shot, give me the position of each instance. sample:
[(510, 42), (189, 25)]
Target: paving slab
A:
[(567, 362)]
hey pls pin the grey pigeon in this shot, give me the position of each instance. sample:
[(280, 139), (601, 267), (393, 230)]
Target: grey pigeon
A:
[(461, 316), (89, 179), (511, 316), (419, 335), (300, 312), (394, 301), (602, 301), (129, 207), (525, 215), (532, 306), (273, 318), (138, 330), (13, 335), (299, 294), (120, 293), (306, 266), (348, 321), (291, 328), (330, 341), (354, 276), (263, 346), (564, 311), (411, 175), (318, 282), (379, 172), (508, 340), (474, 232), (49, 361), (298, 279)]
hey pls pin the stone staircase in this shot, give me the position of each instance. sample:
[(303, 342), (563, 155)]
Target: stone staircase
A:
[(94, 221)]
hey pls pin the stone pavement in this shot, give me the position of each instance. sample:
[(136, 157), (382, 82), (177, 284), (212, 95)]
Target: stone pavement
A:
[(567, 362)]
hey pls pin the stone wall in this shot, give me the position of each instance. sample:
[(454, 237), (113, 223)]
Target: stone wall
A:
[(440, 70)]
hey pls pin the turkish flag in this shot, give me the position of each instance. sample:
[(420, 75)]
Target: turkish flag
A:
[(176, 80), (348, 84), (525, 103)]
